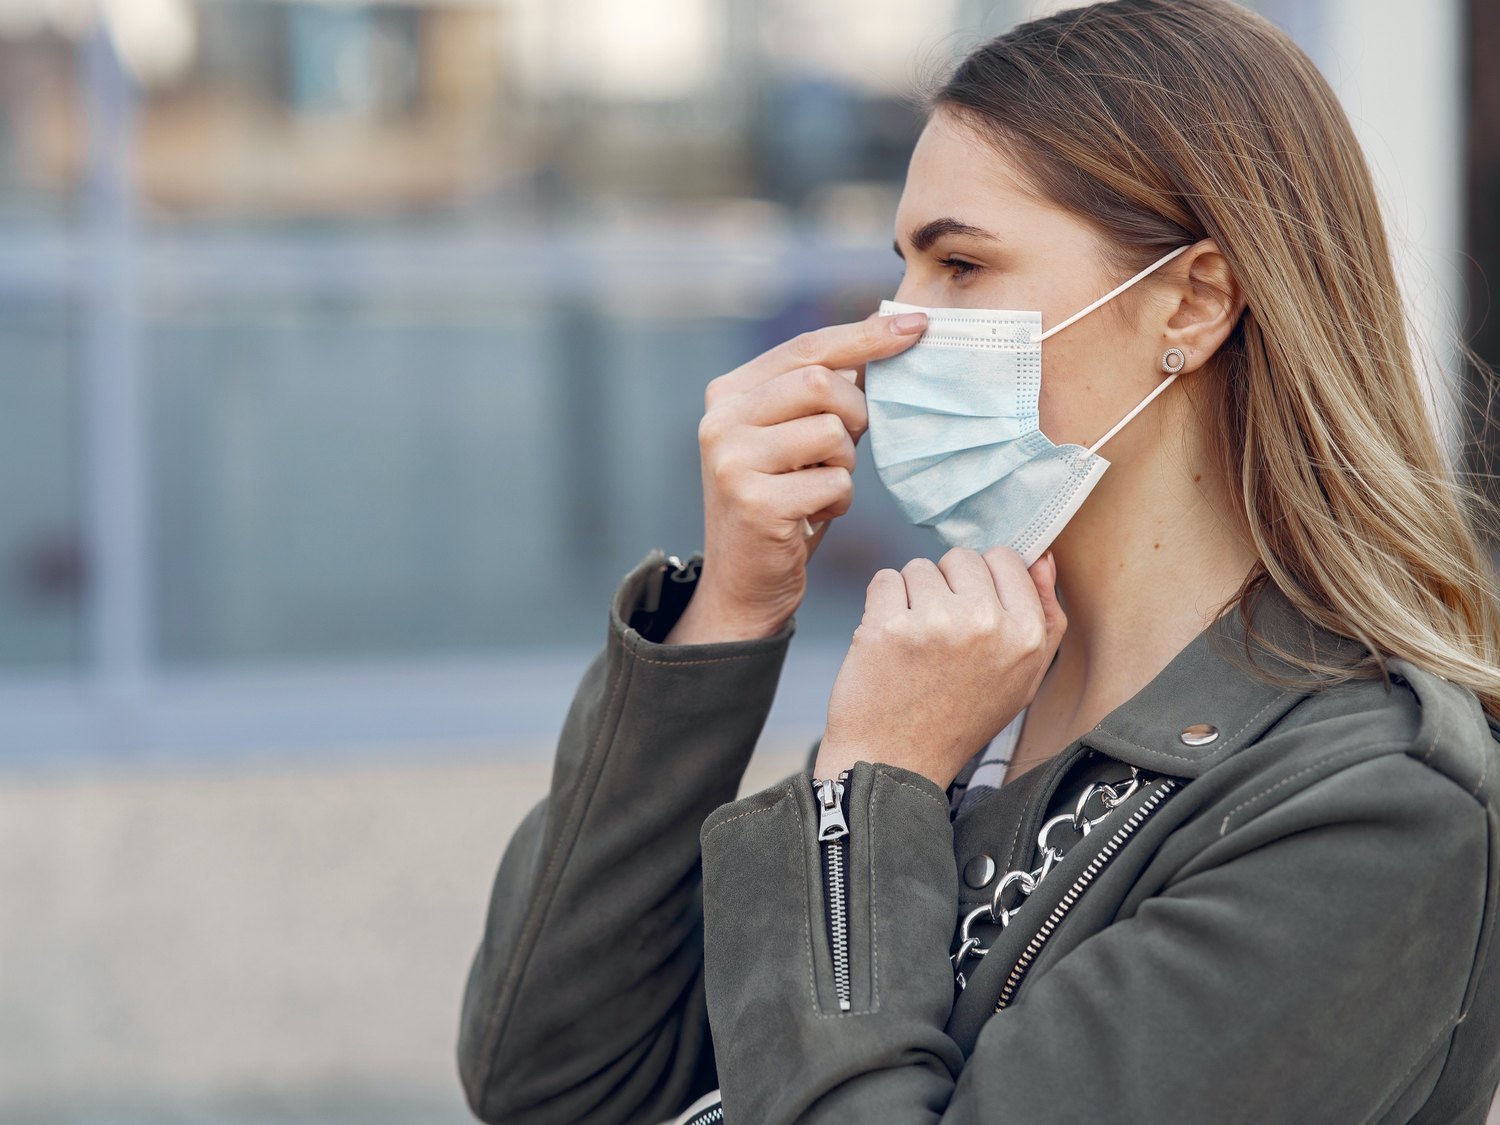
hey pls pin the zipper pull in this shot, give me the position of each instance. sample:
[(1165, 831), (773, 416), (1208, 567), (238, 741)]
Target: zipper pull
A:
[(831, 822), (651, 598)]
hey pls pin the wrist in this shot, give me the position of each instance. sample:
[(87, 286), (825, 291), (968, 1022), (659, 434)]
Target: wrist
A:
[(708, 620), (833, 758)]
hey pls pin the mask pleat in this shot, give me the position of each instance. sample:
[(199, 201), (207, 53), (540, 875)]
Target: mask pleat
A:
[(906, 433), (937, 486)]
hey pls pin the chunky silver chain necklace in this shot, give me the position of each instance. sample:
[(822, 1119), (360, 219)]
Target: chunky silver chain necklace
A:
[(1109, 795)]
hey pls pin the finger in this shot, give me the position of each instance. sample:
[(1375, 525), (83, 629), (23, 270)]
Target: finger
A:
[(1013, 584), (856, 374), (1018, 595), (1044, 575), (924, 581), (886, 593), (838, 345), (840, 507), (967, 573), (819, 493), (800, 392), (843, 500), (787, 446)]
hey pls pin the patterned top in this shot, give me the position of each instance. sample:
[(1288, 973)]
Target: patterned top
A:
[(985, 771)]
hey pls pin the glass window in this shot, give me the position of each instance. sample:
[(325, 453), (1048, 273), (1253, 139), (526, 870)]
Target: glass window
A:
[(41, 556), (431, 293)]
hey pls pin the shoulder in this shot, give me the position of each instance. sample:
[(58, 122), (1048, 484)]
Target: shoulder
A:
[(1413, 752), (1415, 713)]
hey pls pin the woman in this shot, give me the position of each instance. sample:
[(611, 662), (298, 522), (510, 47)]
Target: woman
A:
[(1167, 793)]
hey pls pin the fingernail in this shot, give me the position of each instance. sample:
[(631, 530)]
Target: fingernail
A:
[(907, 323), (850, 374)]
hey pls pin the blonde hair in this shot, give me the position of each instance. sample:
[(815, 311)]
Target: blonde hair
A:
[(1166, 121)]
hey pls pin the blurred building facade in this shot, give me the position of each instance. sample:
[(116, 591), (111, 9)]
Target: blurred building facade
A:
[(352, 351)]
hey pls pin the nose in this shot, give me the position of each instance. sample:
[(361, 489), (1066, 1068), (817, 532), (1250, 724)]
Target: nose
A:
[(911, 292)]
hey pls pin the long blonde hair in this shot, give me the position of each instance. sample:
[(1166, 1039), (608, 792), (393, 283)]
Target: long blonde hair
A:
[(1167, 121)]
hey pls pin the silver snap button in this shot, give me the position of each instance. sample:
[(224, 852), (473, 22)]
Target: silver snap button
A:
[(979, 871), (1199, 734)]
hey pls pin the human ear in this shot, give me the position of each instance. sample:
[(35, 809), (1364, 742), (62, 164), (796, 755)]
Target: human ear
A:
[(1206, 304)]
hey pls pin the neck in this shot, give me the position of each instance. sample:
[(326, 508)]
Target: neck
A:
[(1135, 590)]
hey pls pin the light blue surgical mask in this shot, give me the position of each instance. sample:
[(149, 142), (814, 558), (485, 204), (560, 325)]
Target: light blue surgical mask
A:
[(954, 428)]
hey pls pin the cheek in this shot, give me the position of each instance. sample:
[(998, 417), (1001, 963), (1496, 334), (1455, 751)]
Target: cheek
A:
[(1088, 386), (1073, 405)]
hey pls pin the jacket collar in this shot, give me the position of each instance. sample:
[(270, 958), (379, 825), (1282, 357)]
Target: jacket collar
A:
[(1210, 683)]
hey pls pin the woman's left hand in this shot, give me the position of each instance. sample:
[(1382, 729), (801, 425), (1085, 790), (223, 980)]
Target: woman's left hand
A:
[(945, 656)]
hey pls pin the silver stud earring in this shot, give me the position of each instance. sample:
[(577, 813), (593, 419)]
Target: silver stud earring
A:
[(1173, 361)]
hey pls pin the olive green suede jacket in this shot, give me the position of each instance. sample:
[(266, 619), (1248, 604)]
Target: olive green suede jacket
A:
[(1289, 918)]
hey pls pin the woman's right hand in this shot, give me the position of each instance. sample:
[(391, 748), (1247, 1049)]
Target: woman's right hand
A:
[(777, 443)]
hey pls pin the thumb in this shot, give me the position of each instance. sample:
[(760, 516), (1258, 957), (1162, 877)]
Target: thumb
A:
[(1044, 574)]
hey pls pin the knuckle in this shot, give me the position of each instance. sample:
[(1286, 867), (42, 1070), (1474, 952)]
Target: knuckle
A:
[(1033, 637), (846, 456), (927, 631), (987, 619), (902, 628), (1003, 555), (943, 627), (714, 391), (750, 491), (805, 346), (861, 412), (710, 428), (727, 477), (784, 533), (816, 380)]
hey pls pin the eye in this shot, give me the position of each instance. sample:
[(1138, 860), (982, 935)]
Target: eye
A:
[(961, 269)]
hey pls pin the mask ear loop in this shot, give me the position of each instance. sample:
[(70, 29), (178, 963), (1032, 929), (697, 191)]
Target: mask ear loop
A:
[(1112, 294), (1145, 402)]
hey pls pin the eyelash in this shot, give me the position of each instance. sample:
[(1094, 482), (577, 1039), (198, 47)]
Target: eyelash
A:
[(961, 268)]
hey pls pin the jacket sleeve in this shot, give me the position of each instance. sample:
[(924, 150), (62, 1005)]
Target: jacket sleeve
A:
[(1307, 966), (584, 1002)]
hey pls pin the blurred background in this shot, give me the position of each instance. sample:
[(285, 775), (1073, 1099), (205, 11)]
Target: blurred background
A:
[(350, 353)]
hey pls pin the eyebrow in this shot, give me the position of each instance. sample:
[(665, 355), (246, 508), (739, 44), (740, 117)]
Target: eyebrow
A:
[(924, 236)]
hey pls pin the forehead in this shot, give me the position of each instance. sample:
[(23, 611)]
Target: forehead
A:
[(954, 173)]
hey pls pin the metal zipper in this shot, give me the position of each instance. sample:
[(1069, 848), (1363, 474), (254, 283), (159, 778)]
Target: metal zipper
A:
[(680, 572), (710, 1116), (1100, 861), (833, 835)]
